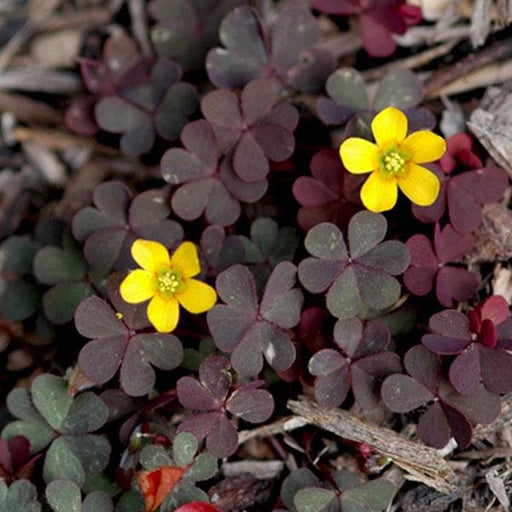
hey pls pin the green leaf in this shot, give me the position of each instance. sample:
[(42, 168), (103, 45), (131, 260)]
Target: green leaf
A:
[(61, 462), (314, 499), (346, 480), (343, 299), (21, 406), (294, 482), (3, 493), (38, 433), (54, 265), (365, 231), (346, 86), (130, 501), (152, 456), (61, 301), (19, 300), (399, 88), (204, 468), (371, 496), (87, 414), (21, 497), (326, 241), (184, 448), (64, 496), (17, 254), (115, 115), (51, 398), (93, 451), (98, 501)]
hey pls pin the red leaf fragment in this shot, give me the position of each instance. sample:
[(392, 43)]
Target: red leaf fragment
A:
[(155, 485)]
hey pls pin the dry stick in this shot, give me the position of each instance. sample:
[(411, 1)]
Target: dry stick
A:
[(498, 50), (28, 110), (423, 464), (57, 140), (412, 62), (140, 25)]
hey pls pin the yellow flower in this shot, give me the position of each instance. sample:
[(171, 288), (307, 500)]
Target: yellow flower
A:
[(393, 162), (167, 281)]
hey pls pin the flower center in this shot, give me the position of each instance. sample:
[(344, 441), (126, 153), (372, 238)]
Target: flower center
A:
[(169, 282), (392, 162)]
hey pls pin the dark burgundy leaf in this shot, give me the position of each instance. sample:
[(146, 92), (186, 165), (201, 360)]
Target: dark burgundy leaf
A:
[(459, 425), (100, 358), (94, 318), (450, 323), (195, 397), (223, 438), (254, 406), (423, 366), (496, 368), (465, 371), (433, 427), (444, 345), (401, 393)]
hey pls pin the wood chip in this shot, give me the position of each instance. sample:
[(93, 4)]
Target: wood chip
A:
[(497, 486), (46, 162), (493, 239), (421, 463), (261, 469), (502, 282), (491, 123)]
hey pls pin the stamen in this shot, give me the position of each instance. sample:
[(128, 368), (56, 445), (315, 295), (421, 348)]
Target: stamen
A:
[(169, 282), (393, 162)]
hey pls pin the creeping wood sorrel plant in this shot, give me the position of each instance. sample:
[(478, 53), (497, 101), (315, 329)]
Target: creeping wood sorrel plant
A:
[(242, 258)]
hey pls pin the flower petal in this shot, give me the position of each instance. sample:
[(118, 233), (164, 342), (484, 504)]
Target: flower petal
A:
[(389, 127), (151, 256), (196, 296), (138, 286), (359, 155), (419, 184), (185, 259), (379, 193), (164, 313), (424, 146)]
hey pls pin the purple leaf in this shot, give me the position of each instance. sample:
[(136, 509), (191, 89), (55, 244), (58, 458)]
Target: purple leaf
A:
[(465, 371), (434, 429), (223, 438), (254, 406), (194, 396), (401, 393)]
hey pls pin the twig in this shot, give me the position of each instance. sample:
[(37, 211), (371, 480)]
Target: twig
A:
[(429, 35), (423, 464), (497, 51), (140, 25), (497, 73), (57, 140), (40, 80), (28, 110), (480, 22), (278, 427), (412, 62)]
